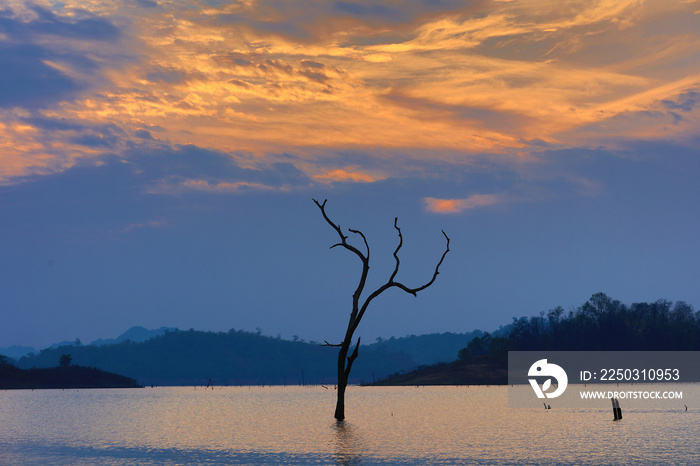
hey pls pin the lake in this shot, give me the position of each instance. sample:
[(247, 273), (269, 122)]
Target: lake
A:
[(294, 425)]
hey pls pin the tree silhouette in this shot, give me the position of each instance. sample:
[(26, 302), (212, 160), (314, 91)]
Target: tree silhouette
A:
[(606, 324), (65, 360), (359, 307)]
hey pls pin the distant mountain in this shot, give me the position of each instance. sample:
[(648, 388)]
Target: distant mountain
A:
[(428, 349), (16, 351), (192, 357), (136, 334)]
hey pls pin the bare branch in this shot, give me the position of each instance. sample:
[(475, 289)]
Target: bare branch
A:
[(396, 251), (391, 282), (325, 343), (343, 238), (358, 232), (413, 291), (365, 264)]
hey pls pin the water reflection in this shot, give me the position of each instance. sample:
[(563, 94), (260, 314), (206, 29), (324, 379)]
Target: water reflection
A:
[(348, 444), (293, 426)]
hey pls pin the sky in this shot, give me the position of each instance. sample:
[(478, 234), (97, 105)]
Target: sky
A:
[(158, 161)]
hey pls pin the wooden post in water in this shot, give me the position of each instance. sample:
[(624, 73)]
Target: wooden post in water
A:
[(617, 411)]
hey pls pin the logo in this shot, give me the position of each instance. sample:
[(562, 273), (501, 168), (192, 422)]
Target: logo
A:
[(541, 369)]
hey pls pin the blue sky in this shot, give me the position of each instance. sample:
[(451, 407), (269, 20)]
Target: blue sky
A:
[(159, 159)]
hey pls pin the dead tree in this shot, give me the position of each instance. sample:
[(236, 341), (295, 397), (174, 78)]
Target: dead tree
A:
[(359, 307)]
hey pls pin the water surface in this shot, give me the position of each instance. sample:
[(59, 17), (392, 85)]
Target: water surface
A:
[(294, 425)]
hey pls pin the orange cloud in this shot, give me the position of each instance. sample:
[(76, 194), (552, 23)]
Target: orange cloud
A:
[(178, 187), (341, 174), (448, 83), (453, 206), (224, 187)]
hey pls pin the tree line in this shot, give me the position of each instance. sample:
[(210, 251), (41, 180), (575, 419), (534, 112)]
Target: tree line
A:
[(600, 324)]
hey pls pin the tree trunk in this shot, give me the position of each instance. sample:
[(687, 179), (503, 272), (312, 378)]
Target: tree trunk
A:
[(340, 403), (342, 383)]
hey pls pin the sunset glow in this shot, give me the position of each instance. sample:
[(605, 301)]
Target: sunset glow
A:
[(158, 159), (253, 78)]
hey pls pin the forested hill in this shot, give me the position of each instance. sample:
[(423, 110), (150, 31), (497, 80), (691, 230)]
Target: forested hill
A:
[(600, 324), (606, 324), (238, 357), (64, 376)]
